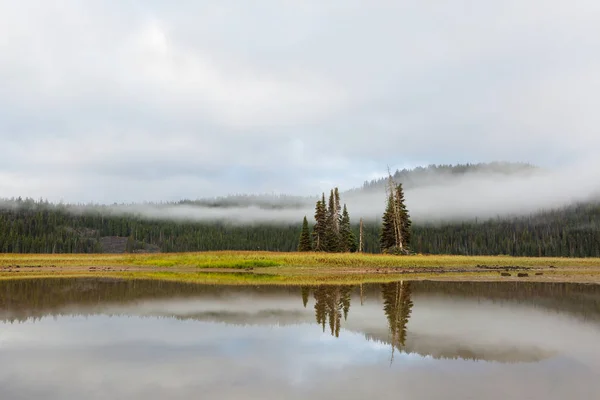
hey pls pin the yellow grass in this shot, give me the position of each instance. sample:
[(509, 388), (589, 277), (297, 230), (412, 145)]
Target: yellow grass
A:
[(246, 259), (287, 268)]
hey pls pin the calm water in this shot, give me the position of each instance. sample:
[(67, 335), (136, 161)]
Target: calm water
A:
[(103, 339)]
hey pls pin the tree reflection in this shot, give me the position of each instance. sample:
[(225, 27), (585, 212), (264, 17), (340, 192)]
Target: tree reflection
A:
[(331, 302), (397, 305), (362, 295), (305, 290)]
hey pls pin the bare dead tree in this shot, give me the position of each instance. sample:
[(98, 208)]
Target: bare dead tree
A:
[(337, 208), (397, 211), (362, 295), (360, 237)]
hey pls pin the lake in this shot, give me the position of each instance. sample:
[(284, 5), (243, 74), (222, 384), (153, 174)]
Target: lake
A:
[(117, 339)]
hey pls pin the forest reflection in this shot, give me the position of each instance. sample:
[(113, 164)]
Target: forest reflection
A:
[(260, 341), (33, 298), (410, 317)]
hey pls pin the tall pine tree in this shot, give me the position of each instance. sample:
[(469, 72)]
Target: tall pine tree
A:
[(387, 239), (332, 234), (305, 241), (320, 228), (348, 239), (395, 230), (405, 222)]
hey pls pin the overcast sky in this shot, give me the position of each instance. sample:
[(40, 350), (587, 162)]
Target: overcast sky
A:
[(160, 100)]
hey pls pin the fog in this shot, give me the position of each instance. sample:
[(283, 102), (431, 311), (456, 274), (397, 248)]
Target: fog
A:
[(432, 197), (488, 195)]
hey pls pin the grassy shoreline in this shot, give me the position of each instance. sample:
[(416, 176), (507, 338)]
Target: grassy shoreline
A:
[(296, 268)]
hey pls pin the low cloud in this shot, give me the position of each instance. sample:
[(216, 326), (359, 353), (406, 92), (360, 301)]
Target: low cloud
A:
[(433, 197)]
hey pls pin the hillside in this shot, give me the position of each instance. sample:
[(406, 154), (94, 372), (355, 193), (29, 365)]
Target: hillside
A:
[(28, 226), (441, 174), (410, 178), (38, 228)]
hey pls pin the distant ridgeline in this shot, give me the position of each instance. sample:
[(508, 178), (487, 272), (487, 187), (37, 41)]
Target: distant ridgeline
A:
[(28, 226), (436, 174)]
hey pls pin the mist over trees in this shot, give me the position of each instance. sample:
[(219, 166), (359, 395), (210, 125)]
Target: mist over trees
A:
[(38, 227), (30, 226), (438, 174)]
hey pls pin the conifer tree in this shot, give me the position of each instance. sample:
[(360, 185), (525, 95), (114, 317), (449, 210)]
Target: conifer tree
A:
[(348, 238), (387, 239), (320, 228), (332, 235), (395, 230), (305, 241), (405, 222)]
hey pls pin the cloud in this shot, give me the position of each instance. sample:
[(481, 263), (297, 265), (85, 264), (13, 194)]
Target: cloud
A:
[(105, 101)]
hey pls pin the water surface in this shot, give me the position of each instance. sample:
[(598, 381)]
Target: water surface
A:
[(99, 339)]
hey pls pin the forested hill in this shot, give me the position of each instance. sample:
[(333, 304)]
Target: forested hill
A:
[(28, 226), (410, 179), (34, 227), (440, 174)]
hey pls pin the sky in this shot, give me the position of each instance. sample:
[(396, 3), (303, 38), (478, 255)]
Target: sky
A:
[(134, 100)]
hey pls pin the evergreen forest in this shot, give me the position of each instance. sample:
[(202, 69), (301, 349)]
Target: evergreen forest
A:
[(30, 226), (34, 227)]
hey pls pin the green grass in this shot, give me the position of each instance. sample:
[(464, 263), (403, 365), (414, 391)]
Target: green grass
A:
[(203, 262), (287, 268), (247, 259)]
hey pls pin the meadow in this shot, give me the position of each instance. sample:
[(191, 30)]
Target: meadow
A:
[(241, 267)]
